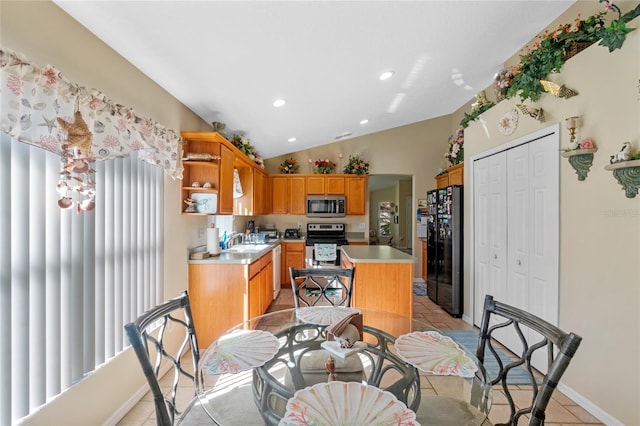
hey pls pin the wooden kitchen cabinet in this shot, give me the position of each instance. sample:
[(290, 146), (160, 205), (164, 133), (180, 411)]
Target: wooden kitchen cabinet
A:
[(315, 185), (292, 256), (223, 295), (280, 194), (217, 296), (356, 194), (259, 192), (260, 285), (442, 180), (203, 170), (297, 195), (325, 185), (225, 196), (453, 176)]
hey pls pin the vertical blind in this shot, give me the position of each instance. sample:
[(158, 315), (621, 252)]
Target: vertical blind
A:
[(68, 281)]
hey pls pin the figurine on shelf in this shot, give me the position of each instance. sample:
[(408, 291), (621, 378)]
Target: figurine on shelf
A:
[(623, 154), (191, 205)]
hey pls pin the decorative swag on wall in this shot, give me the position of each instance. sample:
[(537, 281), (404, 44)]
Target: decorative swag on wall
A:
[(35, 104)]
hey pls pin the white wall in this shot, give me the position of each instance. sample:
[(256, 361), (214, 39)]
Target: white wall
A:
[(599, 226)]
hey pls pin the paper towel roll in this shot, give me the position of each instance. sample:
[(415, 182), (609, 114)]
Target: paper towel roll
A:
[(213, 241)]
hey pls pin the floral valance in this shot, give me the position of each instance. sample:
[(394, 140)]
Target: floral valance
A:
[(32, 98)]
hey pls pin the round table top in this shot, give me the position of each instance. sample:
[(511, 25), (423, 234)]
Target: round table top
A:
[(272, 369)]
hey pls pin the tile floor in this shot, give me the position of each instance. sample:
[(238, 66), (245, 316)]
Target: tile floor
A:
[(562, 411)]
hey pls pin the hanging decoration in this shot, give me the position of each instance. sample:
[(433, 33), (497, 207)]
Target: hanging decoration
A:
[(39, 106), (77, 174), (558, 90), (532, 112)]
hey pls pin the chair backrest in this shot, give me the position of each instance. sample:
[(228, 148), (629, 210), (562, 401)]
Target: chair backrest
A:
[(321, 286), (147, 336), (558, 345)]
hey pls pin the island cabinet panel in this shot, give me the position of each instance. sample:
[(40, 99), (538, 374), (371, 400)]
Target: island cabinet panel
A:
[(384, 286), (383, 278), (217, 296)]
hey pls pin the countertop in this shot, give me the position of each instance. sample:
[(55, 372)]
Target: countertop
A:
[(376, 254), (235, 258)]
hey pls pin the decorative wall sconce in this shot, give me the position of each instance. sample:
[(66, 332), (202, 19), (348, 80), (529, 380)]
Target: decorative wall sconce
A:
[(580, 155), (572, 125)]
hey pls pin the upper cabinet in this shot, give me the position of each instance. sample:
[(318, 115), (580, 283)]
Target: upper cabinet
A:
[(203, 187), (280, 194), (356, 194), (453, 176), (225, 199), (297, 195), (325, 185), (211, 164)]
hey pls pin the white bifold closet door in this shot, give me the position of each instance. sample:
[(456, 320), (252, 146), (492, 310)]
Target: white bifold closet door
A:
[(516, 235)]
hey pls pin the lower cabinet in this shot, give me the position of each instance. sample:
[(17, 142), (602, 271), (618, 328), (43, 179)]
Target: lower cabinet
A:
[(292, 256), (224, 295), (260, 285)]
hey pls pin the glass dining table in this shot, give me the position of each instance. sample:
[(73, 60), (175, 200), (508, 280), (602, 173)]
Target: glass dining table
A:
[(280, 369)]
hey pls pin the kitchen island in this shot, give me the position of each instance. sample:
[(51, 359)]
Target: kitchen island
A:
[(383, 278)]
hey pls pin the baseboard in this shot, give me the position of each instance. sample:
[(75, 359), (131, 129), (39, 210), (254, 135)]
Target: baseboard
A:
[(124, 409), (467, 319), (588, 405)]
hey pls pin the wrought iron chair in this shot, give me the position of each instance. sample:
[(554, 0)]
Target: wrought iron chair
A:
[(322, 286), (149, 337), (559, 346)]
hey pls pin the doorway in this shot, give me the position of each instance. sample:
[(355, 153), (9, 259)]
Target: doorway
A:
[(392, 190)]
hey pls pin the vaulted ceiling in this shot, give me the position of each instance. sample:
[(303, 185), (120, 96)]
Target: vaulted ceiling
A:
[(228, 61)]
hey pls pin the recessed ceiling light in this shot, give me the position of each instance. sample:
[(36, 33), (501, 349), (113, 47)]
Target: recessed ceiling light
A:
[(279, 102), (365, 121), (291, 140), (386, 75)]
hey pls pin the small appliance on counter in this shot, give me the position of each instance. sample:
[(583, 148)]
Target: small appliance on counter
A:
[(271, 234), (270, 231), (291, 233)]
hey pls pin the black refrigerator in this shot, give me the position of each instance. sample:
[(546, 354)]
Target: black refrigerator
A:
[(444, 248)]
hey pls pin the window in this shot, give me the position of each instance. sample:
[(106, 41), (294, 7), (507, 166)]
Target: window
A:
[(385, 216), (69, 282)]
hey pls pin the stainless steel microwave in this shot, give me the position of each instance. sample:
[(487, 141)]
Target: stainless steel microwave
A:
[(326, 206)]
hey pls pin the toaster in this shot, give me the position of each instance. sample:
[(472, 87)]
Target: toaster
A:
[(291, 233)]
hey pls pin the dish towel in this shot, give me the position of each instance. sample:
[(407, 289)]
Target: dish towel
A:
[(325, 252)]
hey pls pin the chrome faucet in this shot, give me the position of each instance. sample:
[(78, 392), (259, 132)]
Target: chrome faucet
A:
[(231, 238)]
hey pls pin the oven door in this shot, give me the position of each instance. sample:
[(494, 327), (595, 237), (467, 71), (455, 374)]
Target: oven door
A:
[(321, 259)]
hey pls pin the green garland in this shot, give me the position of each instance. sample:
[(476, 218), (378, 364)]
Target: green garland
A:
[(474, 114)]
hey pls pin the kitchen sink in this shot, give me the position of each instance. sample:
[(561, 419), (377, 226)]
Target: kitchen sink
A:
[(246, 248)]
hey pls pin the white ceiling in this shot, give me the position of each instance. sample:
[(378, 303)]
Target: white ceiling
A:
[(229, 60)]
